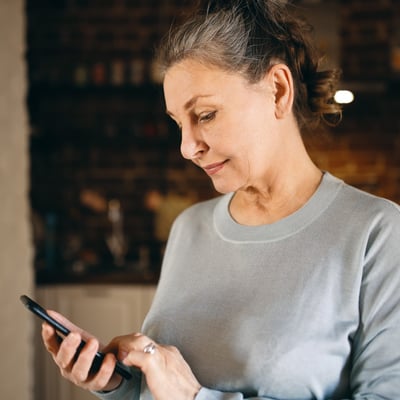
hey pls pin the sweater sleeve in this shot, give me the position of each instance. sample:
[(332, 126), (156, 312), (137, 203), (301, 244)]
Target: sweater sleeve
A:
[(376, 356), (209, 394), (128, 390)]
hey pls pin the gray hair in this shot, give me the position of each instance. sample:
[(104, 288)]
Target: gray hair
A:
[(247, 37)]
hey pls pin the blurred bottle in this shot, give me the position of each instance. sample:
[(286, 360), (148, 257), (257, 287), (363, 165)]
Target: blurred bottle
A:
[(116, 240)]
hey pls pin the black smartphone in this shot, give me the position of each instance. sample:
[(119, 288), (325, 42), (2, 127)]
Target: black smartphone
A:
[(63, 331)]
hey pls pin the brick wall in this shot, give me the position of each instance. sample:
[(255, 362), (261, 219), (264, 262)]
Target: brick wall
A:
[(98, 127), (99, 131), (364, 150)]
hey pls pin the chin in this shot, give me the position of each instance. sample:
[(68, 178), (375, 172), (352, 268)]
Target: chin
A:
[(224, 187)]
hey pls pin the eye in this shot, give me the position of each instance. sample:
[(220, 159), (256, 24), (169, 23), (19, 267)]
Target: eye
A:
[(206, 117)]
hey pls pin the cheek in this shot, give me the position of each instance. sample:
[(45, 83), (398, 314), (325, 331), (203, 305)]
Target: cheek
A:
[(233, 133)]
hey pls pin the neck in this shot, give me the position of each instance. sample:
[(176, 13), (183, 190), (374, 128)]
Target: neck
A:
[(276, 198)]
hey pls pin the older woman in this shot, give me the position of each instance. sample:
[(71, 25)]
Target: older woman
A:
[(287, 285)]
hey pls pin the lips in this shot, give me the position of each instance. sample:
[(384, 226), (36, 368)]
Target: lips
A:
[(212, 169)]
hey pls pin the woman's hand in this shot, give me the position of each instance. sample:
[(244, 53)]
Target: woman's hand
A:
[(77, 370), (168, 376)]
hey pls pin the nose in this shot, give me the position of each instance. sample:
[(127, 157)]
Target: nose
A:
[(192, 144)]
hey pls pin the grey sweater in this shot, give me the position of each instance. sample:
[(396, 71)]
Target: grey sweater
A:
[(304, 308)]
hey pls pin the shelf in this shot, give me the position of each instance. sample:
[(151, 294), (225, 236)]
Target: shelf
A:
[(42, 144), (110, 277), (105, 90)]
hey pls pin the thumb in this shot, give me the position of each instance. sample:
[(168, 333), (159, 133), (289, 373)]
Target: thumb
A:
[(137, 359)]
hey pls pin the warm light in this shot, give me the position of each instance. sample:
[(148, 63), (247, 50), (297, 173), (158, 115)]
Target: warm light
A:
[(344, 97)]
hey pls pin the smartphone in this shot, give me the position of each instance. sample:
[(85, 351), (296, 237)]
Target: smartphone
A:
[(63, 331)]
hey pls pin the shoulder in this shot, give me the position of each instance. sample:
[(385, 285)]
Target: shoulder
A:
[(199, 211), (366, 204), (195, 219), (368, 219), (360, 204)]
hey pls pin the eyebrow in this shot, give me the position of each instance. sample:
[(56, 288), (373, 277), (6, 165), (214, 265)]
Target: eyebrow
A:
[(189, 104)]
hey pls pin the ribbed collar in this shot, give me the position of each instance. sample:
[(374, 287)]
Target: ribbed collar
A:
[(230, 230)]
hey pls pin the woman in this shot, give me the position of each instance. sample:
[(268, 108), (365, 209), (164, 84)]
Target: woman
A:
[(286, 286)]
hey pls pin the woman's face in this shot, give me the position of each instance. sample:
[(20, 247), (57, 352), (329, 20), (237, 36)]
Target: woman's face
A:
[(228, 125)]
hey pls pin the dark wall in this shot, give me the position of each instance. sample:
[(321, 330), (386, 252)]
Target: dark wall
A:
[(99, 130)]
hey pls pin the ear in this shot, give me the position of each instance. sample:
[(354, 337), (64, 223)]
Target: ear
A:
[(281, 80)]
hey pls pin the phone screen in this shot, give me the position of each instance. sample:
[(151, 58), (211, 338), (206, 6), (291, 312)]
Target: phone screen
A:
[(63, 331)]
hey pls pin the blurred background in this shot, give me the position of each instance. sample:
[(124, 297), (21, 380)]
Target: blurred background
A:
[(90, 171)]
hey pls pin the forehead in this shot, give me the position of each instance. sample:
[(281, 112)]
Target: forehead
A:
[(189, 79), (191, 72)]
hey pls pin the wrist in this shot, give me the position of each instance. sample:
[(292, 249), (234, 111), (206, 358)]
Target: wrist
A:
[(113, 384)]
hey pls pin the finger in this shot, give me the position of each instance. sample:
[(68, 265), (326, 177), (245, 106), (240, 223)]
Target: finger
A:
[(50, 338), (105, 379), (141, 359), (122, 345), (81, 367), (68, 349)]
